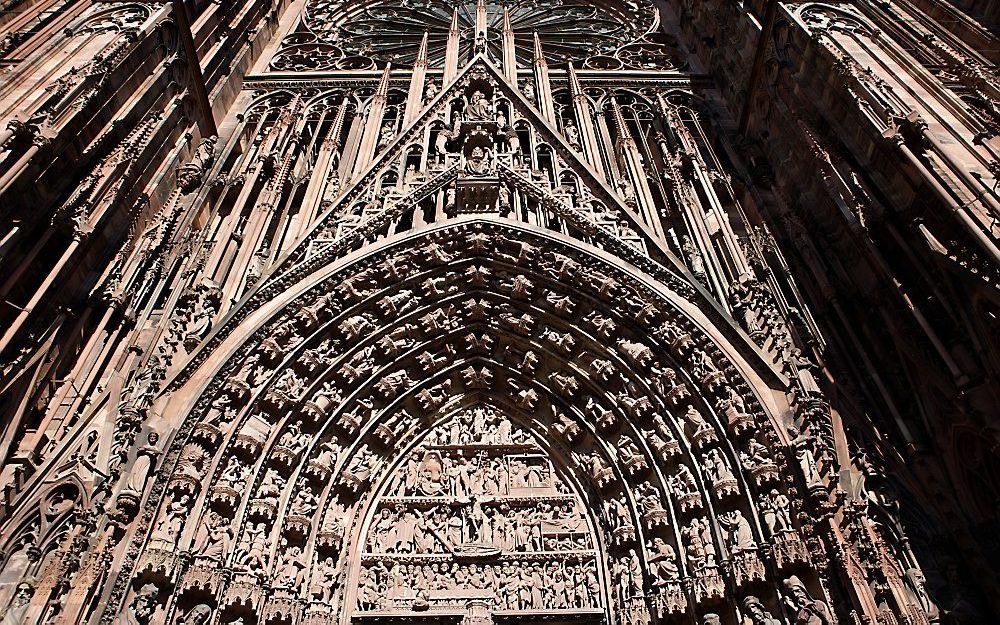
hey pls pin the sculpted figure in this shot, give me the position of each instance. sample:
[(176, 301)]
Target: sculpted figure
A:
[(478, 109), (198, 615), (803, 444), (572, 136), (695, 259), (717, 467), (915, 584), (776, 511), (214, 537), (479, 161), (807, 610), (663, 559), (16, 611), (136, 485), (756, 613), (169, 526), (695, 421), (142, 607), (739, 536), (290, 571), (254, 549), (683, 483)]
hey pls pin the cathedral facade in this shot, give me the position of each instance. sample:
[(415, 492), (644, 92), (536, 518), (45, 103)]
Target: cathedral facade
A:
[(351, 312)]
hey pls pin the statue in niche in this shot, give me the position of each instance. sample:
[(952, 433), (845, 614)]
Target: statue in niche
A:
[(756, 613), (18, 608), (270, 487), (141, 609), (775, 507), (478, 108), (214, 537), (324, 581), (696, 262), (513, 140), (291, 571), (254, 550), (234, 475), (663, 561), (145, 457), (303, 504), (220, 412), (739, 535), (683, 483), (803, 444), (198, 615), (808, 611), (717, 467), (480, 161), (170, 524), (699, 547), (572, 135)]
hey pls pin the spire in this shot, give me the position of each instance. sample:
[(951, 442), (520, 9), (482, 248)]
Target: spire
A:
[(481, 19), (575, 89), (383, 84), (542, 85), (333, 137), (451, 51), (415, 98), (585, 122), (539, 53), (509, 52), (422, 51), (620, 126)]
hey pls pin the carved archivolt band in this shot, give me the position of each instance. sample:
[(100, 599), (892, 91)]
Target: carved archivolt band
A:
[(336, 428)]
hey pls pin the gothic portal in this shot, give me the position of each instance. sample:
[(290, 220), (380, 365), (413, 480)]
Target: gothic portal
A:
[(413, 312)]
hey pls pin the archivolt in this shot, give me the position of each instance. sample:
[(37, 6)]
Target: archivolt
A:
[(290, 426)]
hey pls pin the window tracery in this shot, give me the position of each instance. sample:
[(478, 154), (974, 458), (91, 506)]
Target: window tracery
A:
[(336, 35)]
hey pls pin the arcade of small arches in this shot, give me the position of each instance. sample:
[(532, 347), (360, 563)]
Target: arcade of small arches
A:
[(517, 430)]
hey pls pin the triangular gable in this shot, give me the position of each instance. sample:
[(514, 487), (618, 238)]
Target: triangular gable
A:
[(389, 155)]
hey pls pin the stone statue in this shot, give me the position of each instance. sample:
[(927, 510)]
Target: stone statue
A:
[(215, 535), (807, 610), (696, 262), (479, 161), (16, 611), (915, 585), (663, 561), (739, 535), (802, 444), (776, 515), (478, 108), (198, 615), (142, 607), (756, 613), (145, 457)]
